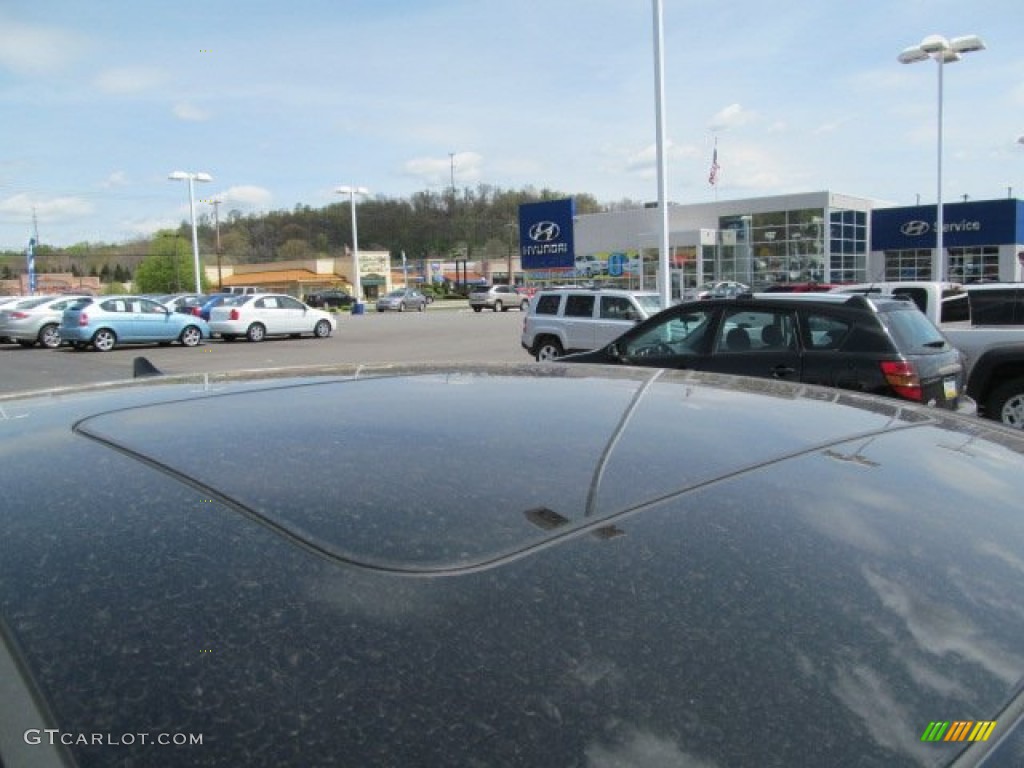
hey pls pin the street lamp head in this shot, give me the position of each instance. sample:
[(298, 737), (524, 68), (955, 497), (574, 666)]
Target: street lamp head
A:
[(203, 177), (967, 44), (183, 176), (352, 191), (912, 55), (934, 44), (178, 176)]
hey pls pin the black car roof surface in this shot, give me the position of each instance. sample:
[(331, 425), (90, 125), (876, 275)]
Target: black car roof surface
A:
[(653, 568)]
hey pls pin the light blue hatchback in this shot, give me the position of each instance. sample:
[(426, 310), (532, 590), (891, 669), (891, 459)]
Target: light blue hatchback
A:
[(106, 321)]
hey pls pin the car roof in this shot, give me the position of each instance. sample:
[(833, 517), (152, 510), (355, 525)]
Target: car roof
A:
[(659, 555)]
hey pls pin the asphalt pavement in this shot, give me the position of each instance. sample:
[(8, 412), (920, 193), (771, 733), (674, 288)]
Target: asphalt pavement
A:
[(436, 336)]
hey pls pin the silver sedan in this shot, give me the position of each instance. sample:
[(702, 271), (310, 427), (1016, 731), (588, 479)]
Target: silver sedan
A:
[(402, 299), (35, 320)]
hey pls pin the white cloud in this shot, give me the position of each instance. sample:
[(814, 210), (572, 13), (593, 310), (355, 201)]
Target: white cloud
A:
[(129, 79), (436, 171), (246, 194), (115, 179), (185, 111), (53, 209), (731, 116), (33, 50)]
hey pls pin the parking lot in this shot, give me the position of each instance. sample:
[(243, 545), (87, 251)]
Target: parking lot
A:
[(440, 335)]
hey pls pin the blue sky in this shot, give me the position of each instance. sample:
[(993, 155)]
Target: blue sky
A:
[(282, 102)]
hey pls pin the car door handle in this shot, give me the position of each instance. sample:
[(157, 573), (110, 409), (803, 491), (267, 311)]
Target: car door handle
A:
[(781, 371)]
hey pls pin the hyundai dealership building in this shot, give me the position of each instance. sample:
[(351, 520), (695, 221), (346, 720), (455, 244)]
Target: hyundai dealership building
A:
[(813, 237)]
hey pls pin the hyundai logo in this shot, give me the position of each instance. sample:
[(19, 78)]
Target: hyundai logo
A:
[(915, 228), (544, 231)]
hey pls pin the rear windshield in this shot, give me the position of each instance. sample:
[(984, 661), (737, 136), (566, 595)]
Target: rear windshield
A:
[(912, 330), (81, 303)]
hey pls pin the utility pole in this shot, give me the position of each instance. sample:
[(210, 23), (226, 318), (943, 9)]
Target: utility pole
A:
[(216, 220)]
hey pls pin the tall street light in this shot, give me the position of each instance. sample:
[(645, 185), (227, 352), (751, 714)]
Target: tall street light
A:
[(191, 178), (943, 51), (357, 283)]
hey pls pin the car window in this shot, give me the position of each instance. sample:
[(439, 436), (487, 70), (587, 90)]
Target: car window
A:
[(114, 305), (673, 334), (618, 308), (577, 305), (547, 304), (745, 330), (825, 331), (287, 302), (267, 302), (149, 307), (649, 303), (912, 330)]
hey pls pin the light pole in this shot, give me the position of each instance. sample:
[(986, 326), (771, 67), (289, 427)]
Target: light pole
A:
[(942, 51), (747, 222), (191, 178), (357, 283)]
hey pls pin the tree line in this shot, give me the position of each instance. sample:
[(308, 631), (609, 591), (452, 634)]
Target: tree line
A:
[(471, 223)]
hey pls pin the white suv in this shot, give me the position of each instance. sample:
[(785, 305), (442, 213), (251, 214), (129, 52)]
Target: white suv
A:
[(568, 320)]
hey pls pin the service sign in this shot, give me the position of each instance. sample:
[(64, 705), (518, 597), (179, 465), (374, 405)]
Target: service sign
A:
[(991, 222), (546, 234)]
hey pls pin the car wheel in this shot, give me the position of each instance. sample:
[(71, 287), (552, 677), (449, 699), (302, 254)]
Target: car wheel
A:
[(256, 332), (401, 307), (548, 349), (49, 336), (1006, 404), (104, 340), (322, 329), (191, 336), (499, 307), (477, 309)]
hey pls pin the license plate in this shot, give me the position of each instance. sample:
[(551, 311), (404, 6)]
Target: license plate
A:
[(949, 388)]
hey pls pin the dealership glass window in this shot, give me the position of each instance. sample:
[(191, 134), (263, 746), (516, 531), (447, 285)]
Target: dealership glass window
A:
[(911, 264), (848, 246), (967, 265)]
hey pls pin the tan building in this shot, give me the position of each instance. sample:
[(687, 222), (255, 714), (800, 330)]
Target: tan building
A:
[(51, 283), (297, 278)]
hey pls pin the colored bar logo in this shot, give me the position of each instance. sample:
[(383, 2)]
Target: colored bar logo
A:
[(958, 730)]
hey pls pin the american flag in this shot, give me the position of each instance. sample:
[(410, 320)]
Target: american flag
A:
[(713, 176)]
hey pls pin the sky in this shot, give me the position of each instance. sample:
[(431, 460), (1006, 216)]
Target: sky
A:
[(283, 102)]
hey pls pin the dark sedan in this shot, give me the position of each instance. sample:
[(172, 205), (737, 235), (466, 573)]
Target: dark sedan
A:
[(648, 568), (330, 298)]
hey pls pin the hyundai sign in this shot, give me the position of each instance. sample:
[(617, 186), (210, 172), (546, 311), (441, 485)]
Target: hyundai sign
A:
[(545, 234)]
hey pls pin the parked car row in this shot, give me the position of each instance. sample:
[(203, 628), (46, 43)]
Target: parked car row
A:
[(105, 322)]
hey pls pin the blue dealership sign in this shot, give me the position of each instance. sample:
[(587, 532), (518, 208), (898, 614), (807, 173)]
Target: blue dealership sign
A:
[(988, 222), (546, 234)]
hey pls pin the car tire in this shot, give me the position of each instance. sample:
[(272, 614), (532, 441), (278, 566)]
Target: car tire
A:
[(1006, 404), (49, 336), (322, 329), (256, 332), (477, 309), (499, 307), (548, 349), (104, 340), (191, 336), (401, 307)]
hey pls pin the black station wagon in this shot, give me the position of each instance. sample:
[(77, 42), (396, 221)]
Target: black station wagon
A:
[(884, 346)]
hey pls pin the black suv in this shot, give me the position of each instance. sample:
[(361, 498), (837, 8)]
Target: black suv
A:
[(882, 346), (329, 298)]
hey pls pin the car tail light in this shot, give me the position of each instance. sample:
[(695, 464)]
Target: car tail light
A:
[(19, 315), (83, 319), (902, 377), (197, 312), (234, 315)]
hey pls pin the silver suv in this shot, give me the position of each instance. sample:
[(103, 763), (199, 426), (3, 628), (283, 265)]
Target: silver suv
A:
[(568, 320), (500, 298)]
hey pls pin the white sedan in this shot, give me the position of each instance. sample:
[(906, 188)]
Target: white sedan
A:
[(259, 315)]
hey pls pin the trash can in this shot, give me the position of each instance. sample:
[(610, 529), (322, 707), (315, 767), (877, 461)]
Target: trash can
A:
[(359, 308)]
